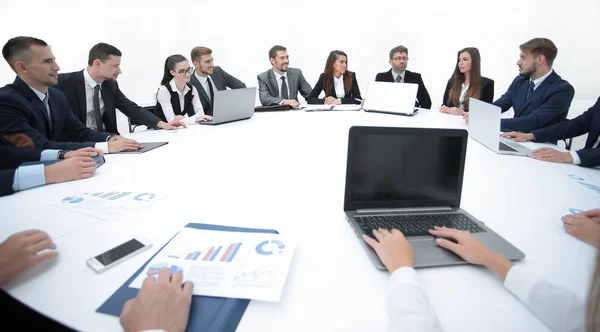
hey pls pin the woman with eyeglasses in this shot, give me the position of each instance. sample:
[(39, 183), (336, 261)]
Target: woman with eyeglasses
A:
[(176, 99), (339, 84), (466, 82)]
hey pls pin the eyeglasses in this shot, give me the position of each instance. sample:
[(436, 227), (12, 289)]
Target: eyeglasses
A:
[(185, 71), (398, 58)]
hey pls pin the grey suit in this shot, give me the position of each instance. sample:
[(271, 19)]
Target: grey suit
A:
[(268, 89), (222, 80)]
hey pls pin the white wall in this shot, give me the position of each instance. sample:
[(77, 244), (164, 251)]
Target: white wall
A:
[(241, 33)]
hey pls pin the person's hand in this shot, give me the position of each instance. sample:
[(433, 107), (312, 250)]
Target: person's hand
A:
[(549, 154), (444, 109), (173, 124), (593, 214), (329, 100), (120, 143), (159, 305), (70, 169), (518, 137), (455, 111), (202, 118), (294, 103), (466, 117), (583, 228), (178, 117), (392, 248), (22, 251), (336, 102), (85, 152), (468, 247)]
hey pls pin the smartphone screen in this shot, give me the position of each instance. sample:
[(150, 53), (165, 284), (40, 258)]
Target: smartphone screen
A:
[(119, 252), (99, 161)]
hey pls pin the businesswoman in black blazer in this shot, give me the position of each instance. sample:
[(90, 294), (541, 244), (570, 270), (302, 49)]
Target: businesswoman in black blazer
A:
[(466, 82), (339, 84), (176, 98)]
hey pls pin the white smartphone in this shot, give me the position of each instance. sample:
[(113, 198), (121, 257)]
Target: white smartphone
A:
[(116, 255)]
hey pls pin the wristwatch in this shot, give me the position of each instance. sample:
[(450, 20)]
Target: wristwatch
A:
[(61, 154)]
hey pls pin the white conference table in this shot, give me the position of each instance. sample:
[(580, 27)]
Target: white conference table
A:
[(286, 171)]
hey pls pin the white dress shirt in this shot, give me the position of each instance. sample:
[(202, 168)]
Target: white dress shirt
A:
[(204, 82), (401, 75), (539, 80), (100, 145), (338, 84), (558, 308), (163, 96), (279, 83), (90, 84), (463, 91)]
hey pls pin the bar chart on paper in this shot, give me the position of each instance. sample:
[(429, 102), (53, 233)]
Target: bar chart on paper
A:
[(212, 254)]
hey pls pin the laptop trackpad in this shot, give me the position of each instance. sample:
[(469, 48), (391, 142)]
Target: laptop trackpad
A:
[(427, 253)]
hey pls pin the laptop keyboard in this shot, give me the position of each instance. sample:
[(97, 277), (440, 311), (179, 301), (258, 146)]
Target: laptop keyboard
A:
[(417, 224), (504, 147)]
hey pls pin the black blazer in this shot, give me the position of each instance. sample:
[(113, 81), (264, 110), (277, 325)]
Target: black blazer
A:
[(487, 92), (21, 111), (73, 86), (222, 80), (12, 157), (423, 99), (588, 122), (349, 98)]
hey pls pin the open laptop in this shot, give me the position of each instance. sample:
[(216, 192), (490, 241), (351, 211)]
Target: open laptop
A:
[(232, 105), (484, 127), (392, 98), (411, 179)]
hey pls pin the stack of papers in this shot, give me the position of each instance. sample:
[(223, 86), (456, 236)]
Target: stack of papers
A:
[(344, 107)]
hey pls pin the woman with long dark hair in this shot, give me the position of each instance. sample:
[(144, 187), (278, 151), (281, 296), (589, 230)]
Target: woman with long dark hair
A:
[(466, 82), (176, 99), (339, 84)]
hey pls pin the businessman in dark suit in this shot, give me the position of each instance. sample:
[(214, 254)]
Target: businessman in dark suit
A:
[(208, 78), (94, 93), (31, 108), (281, 84), (539, 96), (586, 123), (399, 74)]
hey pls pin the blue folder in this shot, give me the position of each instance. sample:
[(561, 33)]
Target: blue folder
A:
[(207, 314)]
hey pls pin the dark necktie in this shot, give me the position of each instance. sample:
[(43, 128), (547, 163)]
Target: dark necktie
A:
[(48, 109), (529, 90), (212, 92), (97, 111), (398, 79), (284, 89)]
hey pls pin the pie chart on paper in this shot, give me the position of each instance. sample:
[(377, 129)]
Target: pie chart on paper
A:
[(72, 200), (154, 269)]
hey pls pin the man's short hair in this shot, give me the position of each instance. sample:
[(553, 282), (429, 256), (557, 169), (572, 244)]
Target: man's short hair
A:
[(199, 51), (19, 49), (273, 51), (398, 49), (102, 51), (543, 46)]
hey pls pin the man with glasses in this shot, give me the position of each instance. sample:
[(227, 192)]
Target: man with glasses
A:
[(399, 74), (94, 93), (209, 78)]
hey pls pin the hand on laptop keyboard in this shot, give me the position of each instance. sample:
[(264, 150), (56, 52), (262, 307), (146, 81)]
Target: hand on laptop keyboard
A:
[(392, 248)]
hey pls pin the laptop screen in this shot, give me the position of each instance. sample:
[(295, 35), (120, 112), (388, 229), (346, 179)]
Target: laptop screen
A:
[(404, 167)]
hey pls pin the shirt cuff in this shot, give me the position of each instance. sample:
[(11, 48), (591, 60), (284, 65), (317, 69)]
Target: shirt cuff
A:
[(27, 177), (575, 156), (102, 146), (49, 155), (404, 275), (519, 282)]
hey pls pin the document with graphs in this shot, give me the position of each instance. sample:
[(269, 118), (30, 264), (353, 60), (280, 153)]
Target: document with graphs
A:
[(226, 264)]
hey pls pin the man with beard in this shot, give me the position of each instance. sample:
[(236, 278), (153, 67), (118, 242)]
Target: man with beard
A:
[(399, 74), (281, 84), (94, 93), (539, 96), (209, 78)]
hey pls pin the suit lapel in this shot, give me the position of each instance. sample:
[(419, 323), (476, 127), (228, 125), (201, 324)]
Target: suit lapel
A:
[(79, 86), (201, 91), (106, 92), (389, 76), (26, 91), (291, 83), (540, 89), (273, 81)]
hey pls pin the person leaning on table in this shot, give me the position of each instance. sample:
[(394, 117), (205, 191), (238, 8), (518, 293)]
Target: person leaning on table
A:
[(338, 83), (408, 306)]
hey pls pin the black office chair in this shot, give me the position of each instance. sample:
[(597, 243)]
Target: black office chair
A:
[(568, 141), (133, 125)]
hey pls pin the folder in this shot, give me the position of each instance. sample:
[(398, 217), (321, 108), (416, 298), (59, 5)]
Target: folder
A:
[(207, 314)]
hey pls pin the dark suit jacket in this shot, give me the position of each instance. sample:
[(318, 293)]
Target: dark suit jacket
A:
[(349, 98), (222, 81), (423, 99), (487, 92), (21, 111), (73, 86), (548, 105), (12, 157), (588, 122)]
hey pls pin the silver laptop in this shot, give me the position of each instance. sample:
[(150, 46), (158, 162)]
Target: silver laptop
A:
[(392, 98), (484, 127), (411, 179), (232, 105)]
